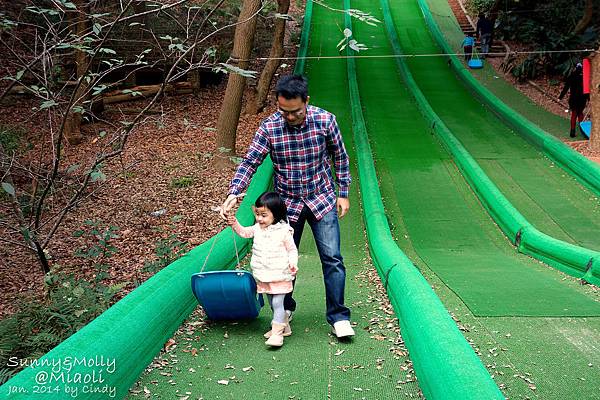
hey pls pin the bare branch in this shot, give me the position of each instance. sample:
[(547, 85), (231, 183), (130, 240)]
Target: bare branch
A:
[(19, 244)]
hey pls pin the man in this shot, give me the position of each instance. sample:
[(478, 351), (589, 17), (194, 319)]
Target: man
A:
[(577, 99), (301, 139), (484, 32)]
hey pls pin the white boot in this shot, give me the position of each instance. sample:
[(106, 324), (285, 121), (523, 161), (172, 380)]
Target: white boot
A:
[(288, 329), (276, 339)]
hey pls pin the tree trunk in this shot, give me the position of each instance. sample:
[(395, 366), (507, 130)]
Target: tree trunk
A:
[(262, 89), (232, 102), (595, 103), (30, 238), (194, 80), (73, 123), (586, 19)]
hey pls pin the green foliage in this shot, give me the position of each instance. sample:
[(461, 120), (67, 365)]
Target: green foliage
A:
[(96, 174), (295, 37), (166, 251), (11, 138), (269, 7), (182, 182), (228, 68), (69, 305), (233, 159), (37, 327), (6, 23), (546, 27), (8, 188), (98, 241), (476, 6)]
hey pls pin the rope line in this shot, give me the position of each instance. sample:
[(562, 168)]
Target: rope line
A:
[(416, 55)]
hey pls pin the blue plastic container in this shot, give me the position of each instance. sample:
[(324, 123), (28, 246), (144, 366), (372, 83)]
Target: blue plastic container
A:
[(475, 63), (586, 128), (227, 295)]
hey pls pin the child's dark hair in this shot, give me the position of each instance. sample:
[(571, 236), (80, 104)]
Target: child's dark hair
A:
[(291, 87), (274, 203)]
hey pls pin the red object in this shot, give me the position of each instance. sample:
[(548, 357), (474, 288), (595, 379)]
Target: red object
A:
[(586, 75)]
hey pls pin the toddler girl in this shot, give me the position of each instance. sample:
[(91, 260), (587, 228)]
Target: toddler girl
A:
[(274, 258)]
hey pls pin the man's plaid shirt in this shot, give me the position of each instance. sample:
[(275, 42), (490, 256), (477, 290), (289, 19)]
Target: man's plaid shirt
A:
[(301, 161)]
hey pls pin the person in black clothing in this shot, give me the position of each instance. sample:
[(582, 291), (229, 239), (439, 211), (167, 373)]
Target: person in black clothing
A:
[(577, 99), (484, 32)]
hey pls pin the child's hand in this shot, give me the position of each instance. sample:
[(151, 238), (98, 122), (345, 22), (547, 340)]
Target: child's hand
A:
[(230, 218), (293, 269)]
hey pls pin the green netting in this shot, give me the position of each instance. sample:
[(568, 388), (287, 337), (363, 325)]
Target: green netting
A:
[(536, 358), (516, 353), (310, 365), (506, 91)]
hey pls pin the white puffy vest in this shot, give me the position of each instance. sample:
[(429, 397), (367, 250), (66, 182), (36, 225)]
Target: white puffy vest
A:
[(270, 259)]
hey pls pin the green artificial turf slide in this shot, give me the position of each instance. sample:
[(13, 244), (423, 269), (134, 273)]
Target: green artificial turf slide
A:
[(551, 123), (312, 364), (548, 197), (450, 230), (559, 362)]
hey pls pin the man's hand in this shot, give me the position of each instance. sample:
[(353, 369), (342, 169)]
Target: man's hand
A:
[(343, 204), (228, 205), (293, 270)]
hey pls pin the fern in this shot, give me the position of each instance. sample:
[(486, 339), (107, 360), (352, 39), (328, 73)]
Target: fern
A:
[(40, 326), (6, 374), (70, 304)]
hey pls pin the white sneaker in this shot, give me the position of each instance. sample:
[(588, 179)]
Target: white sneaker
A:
[(343, 329)]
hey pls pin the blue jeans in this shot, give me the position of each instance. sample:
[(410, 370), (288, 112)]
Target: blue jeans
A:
[(486, 39), (327, 238)]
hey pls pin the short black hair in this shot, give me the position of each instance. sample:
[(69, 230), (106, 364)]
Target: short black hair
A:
[(291, 87), (274, 203)]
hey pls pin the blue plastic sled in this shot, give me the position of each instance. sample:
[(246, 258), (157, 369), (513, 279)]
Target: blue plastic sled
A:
[(475, 63), (227, 295), (586, 128)]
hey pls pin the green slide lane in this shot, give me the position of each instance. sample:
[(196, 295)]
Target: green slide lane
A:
[(438, 209), (548, 197), (312, 364), (504, 296)]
